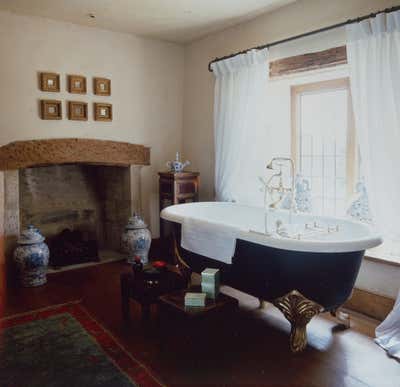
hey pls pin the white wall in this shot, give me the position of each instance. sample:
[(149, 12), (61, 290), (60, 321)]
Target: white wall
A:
[(147, 89), (302, 16)]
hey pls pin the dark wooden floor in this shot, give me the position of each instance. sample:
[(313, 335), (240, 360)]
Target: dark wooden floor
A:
[(256, 353)]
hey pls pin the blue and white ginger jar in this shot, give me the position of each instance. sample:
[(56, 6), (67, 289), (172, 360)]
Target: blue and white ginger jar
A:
[(32, 257), (136, 240), (303, 194), (359, 207)]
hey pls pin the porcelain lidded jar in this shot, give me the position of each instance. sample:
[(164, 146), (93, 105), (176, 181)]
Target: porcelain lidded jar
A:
[(32, 257), (136, 239), (177, 166)]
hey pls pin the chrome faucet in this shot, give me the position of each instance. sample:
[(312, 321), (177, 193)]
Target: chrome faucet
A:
[(278, 162), (270, 188)]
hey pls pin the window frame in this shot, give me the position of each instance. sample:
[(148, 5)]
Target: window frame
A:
[(296, 91)]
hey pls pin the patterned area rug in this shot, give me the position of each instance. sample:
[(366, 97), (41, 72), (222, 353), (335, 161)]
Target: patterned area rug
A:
[(65, 346)]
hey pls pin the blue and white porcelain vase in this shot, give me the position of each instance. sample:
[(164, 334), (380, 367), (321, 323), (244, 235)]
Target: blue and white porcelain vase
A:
[(303, 194), (359, 207), (32, 257), (136, 240)]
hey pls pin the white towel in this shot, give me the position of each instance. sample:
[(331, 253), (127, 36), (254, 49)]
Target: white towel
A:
[(208, 239)]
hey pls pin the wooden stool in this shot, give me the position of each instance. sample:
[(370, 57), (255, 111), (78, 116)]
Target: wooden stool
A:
[(146, 291)]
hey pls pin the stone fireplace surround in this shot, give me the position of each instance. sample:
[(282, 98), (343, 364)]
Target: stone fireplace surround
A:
[(24, 164)]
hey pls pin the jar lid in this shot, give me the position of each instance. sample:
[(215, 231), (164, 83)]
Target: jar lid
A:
[(135, 222), (30, 236)]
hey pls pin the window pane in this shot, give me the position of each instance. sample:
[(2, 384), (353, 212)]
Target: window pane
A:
[(322, 153)]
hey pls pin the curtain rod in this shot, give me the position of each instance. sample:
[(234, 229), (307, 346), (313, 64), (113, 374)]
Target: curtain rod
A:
[(268, 45)]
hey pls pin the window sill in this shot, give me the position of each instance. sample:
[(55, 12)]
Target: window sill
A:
[(388, 260)]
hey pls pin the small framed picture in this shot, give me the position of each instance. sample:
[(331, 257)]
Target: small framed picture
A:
[(77, 111), (102, 86), (50, 82), (50, 109), (77, 84), (102, 112)]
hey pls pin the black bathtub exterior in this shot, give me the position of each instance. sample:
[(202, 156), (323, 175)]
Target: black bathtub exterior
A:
[(269, 273)]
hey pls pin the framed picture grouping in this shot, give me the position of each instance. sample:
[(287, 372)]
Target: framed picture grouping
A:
[(50, 82), (102, 111), (50, 109)]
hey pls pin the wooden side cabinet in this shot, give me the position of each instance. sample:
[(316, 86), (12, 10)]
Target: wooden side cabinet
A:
[(176, 188)]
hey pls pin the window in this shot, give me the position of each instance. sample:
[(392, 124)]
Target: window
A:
[(323, 143)]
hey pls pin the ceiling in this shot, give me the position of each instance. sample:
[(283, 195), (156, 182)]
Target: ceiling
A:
[(179, 21)]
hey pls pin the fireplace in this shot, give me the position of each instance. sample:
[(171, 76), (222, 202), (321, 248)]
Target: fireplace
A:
[(79, 208), (78, 192)]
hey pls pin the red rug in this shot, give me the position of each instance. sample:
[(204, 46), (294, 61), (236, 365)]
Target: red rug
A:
[(73, 322)]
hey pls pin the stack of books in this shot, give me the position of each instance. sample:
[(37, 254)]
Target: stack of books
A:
[(210, 282), (195, 299)]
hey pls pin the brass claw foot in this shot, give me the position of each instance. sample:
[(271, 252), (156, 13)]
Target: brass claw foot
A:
[(298, 310)]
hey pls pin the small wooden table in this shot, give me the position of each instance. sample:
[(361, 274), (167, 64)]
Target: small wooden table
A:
[(193, 322), (147, 291)]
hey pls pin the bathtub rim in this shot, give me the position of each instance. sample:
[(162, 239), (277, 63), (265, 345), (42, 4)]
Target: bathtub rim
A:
[(312, 246)]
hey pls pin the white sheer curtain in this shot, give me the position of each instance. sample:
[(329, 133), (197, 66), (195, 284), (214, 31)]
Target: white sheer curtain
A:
[(240, 131), (373, 50)]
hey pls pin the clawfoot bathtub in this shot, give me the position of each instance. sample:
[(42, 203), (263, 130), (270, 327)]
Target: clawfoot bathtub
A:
[(305, 269)]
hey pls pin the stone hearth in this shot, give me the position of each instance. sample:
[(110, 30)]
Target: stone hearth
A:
[(84, 184)]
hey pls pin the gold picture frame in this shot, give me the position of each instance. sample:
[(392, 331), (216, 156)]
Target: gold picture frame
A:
[(77, 111), (50, 109), (102, 86), (50, 82), (102, 111), (77, 84)]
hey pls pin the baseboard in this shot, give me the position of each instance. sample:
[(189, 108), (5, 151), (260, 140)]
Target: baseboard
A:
[(370, 304)]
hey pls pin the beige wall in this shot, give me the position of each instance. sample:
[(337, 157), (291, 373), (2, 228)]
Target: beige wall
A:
[(302, 16), (147, 88)]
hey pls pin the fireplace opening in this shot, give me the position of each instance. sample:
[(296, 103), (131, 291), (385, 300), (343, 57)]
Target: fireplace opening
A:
[(81, 209), (72, 248)]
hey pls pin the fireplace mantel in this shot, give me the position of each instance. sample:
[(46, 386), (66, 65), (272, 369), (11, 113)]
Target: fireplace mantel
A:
[(25, 154)]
